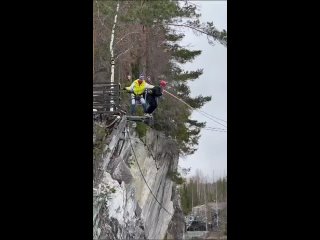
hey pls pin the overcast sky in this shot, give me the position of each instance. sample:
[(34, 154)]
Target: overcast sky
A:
[(212, 149)]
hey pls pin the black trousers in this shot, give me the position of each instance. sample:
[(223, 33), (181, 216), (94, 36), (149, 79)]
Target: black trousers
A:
[(152, 103)]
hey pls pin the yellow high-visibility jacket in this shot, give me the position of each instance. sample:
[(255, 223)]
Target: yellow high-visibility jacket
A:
[(138, 89)]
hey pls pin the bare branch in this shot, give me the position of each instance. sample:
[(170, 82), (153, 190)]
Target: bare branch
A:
[(222, 41), (102, 23), (126, 36), (123, 52), (183, 25)]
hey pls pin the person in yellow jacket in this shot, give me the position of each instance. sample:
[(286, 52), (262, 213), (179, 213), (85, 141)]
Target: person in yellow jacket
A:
[(137, 90)]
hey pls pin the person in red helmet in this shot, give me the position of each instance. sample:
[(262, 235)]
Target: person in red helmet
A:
[(152, 97)]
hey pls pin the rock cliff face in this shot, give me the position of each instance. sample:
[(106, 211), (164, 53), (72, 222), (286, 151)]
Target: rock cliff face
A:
[(133, 195)]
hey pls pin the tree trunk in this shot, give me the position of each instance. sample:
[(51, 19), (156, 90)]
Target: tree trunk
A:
[(111, 50)]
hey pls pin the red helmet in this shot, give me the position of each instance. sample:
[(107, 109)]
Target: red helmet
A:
[(163, 83)]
